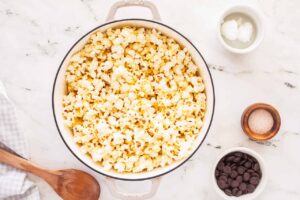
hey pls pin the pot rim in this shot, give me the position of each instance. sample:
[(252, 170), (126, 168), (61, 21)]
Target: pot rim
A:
[(185, 159)]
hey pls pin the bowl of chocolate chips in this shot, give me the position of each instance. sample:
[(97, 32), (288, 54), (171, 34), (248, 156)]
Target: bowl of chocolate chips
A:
[(239, 173)]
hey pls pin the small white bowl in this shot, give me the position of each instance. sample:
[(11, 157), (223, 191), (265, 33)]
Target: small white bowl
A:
[(261, 184), (257, 20)]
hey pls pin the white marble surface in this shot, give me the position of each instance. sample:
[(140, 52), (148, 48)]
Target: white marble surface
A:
[(36, 34)]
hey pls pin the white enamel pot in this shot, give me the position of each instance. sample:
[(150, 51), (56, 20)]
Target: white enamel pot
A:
[(59, 90)]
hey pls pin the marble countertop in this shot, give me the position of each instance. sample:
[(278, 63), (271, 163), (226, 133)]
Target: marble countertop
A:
[(35, 36)]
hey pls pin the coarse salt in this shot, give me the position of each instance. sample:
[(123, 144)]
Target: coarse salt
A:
[(260, 121)]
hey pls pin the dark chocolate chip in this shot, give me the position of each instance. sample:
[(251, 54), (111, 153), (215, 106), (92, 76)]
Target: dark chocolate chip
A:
[(222, 184), (233, 174), (256, 167), (234, 191), (222, 173), (237, 159), (230, 158), (228, 192), (238, 154), (247, 164), (239, 179), (239, 193), (241, 170), (246, 176), (243, 162), (217, 173), (229, 180), (234, 184), (233, 165), (254, 180), (250, 188), (254, 174), (223, 178), (220, 166), (243, 186), (227, 169)]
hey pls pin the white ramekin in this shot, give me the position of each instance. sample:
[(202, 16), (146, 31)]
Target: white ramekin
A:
[(261, 184), (257, 19)]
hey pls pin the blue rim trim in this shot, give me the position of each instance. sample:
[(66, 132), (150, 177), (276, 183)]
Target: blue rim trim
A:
[(138, 179)]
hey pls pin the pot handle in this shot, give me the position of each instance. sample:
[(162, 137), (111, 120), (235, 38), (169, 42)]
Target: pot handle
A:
[(131, 3), (111, 183)]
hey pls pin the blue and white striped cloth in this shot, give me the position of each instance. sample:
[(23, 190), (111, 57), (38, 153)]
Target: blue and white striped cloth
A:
[(14, 183)]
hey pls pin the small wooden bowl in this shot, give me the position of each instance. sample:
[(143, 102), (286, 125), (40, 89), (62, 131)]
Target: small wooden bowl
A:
[(256, 136)]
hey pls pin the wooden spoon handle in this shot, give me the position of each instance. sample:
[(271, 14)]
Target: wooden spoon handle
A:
[(23, 164)]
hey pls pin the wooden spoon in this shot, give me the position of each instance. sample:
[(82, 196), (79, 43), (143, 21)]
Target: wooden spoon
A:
[(69, 184)]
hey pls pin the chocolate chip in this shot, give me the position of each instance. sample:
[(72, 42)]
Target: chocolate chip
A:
[(256, 167), (229, 180), (239, 179), (234, 167), (217, 173), (237, 159), (254, 180), (230, 158), (220, 166), (243, 187), (222, 184), (234, 184), (233, 174), (239, 193), (223, 178), (247, 164), (234, 191), (227, 169), (246, 176), (238, 154), (243, 162), (228, 192), (241, 170), (250, 188), (223, 174)]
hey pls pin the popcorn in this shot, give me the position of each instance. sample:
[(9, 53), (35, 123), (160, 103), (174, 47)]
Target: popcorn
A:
[(98, 84), (119, 104), (117, 51), (118, 138), (119, 166), (135, 100), (107, 65), (96, 154), (107, 165)]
